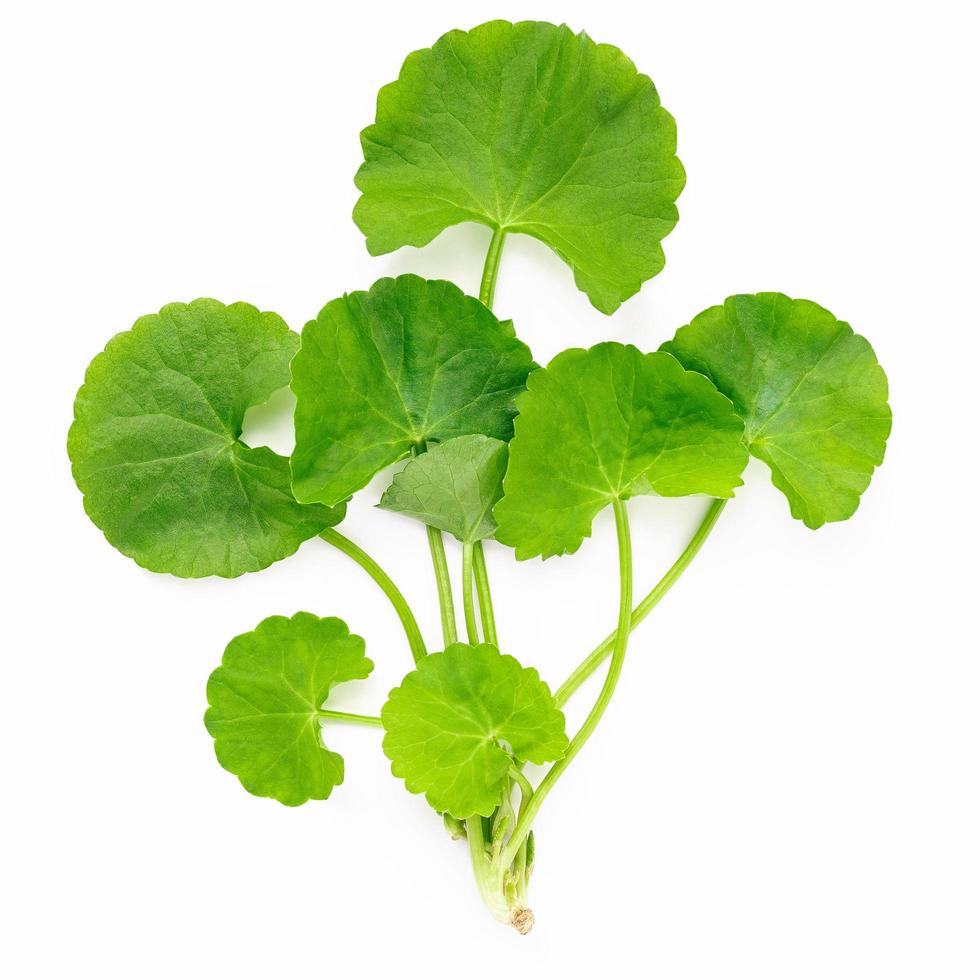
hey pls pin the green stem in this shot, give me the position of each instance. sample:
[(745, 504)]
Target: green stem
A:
[(347, 716), (491, 267), (504, 818), (487, 879), (411, 627), (599, 654), (533, 805), (488, 283), (447, 610), (483, 593), (469, 611), (520, 871), (526, 789)]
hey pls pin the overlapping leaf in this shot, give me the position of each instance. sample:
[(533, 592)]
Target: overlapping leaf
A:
[(456, 724), (264, 701), (155, 444), (532, 129), (453, 486), (607, 423), (388, 370), (811, 392)]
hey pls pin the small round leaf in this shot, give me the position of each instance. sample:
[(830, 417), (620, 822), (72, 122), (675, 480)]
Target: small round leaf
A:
[(453, 487), (535, 130), (608, 423), (455, 725), (155, 445), (811, 392), (264, 702), (383, 371)]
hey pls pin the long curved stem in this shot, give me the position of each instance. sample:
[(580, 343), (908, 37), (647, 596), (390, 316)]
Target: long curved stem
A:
[(526, 789), (483, 593), (491, 267), (488, 283), (586, 668), (530, 810), (415, 641), (447, 611), (488, 875)]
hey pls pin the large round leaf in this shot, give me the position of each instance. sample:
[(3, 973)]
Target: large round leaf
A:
[(532, 129), (607, 423), (385, 371), (453, 487), (264, 705), (456, 724), (155, 445), (814, 399)]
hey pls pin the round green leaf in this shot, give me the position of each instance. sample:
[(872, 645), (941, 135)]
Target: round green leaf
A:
[(458, 721), (453, 486), (265, 699), (384, 371), (607, 423), (155, 445), (811, 392), (531, 129)]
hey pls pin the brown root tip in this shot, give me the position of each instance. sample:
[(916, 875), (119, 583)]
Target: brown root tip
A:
[(522, 919)]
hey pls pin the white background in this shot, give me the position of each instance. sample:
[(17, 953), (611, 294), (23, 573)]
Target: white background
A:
[(786, 785)]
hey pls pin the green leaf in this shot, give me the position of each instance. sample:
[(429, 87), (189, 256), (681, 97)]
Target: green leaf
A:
[(811, 392), (156, 449), (265, 699), (452, 487), (532, 129), (385, 371), (458, 721), (607, 423)]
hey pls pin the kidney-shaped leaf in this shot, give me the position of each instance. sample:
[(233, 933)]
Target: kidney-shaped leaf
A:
[(607, 423), (264, 701), (155, 445), (814, 399), (383, 371), (532, 129), (453, 486), (456, 723)]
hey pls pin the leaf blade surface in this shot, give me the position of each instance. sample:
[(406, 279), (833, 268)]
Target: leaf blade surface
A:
[(533, 129), (264, 701), (383, 371), (455, 725), (155, 444), (811, 391), (608, 423), (453, 486)]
